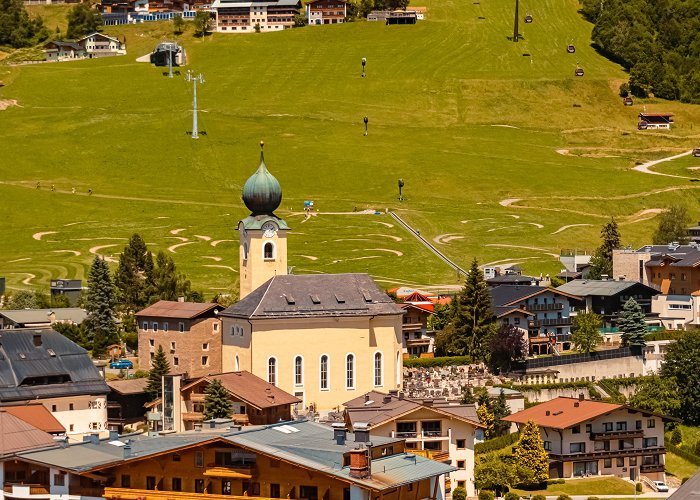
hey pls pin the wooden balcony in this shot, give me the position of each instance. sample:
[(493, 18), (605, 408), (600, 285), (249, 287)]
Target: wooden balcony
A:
[(549, 322), (651, 468), (134, 494), (544, 307), (193, 416), (437, 455), (604, 436), (592, 455), (14, 490), (197, 397)]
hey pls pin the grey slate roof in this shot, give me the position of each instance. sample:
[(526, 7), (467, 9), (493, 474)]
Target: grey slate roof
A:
[(690, 490), (308, 444), (23, 366), (315, 295), (507, 294), (604, 288), (41, 316), (684, 259)]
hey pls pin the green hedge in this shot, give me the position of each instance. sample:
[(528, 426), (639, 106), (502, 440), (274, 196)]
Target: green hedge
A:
[(690, 457), (496, 443), (434, 362), (581, 384)]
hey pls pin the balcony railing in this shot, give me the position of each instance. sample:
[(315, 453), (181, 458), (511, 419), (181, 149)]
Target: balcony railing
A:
[(193, 416), (26, 490), (604, 436), (607, 453), (651, 468), (437, 455), (134, 494), (544, 307), (549, 322), (406, 435)]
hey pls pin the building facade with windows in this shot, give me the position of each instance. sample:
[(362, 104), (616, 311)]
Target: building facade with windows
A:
[(326, 12), (436, 429), (320, 337), (237, 16), (586, 437), (189, 332)]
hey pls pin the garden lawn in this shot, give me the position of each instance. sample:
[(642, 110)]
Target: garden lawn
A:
[(586, 486), (679, 467), (455, 109)]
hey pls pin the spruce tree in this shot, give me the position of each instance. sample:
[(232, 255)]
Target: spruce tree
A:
[(473, 320), (530, 453), (216, 401), (632, 325), (601, 262), (134, 275), (100, 324), (500, 411), (160, 367), (165, 278)]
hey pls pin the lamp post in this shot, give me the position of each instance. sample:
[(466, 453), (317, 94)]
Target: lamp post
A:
[(364, 61), (366, 120), (191, 77)]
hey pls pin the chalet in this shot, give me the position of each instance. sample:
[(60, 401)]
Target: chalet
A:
[(40, 318), (648, 121), (402, 17), (57, 50), (326, 12), (238, 16), (586, 437), (439, 430), (101, 45), (125, 403), (71, 289)]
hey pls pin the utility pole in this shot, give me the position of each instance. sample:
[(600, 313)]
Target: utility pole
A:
[(515, 27), (191, 77), (170, 59)]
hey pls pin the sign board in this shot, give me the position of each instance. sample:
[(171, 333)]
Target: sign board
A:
[(308, 204)]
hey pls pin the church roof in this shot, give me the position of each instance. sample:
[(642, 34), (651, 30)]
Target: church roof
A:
[(256, 221), (262, 193), (315, 295)]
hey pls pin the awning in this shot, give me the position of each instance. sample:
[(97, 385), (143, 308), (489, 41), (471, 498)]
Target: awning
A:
[(226, 472)]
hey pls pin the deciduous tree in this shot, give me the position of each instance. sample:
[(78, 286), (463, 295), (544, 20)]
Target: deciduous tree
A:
[(83, 19), (17, 29), (178, 24), (507, 346), (495, 473), (216, 401), (486, 419), (585, 332), (202, 23), (657, 394), (673, 226), (683, 364), (530, 453), (632, 325)]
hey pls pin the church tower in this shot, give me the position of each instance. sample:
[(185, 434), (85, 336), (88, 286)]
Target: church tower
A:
[(263, 238)]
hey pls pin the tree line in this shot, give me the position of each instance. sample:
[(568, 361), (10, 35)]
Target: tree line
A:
[(656, 40)]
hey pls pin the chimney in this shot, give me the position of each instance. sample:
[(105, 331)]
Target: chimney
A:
[(113, 435), (387, 399), (427, 402), (181, 298), (198, 427), (93, 437), (547, 413), (580, 396), (576, 404), (339, 433), (366, 397), (127, 450), (37, 340), (401, 396), (361, 432), (394, 392), (359, 463)]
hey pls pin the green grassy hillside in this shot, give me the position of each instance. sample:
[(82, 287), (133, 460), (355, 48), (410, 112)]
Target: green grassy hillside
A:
[(454, 107)]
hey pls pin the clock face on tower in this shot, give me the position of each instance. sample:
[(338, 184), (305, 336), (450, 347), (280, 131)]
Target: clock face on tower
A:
[(268, 229)]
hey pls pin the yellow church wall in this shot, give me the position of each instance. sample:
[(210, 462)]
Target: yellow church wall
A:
[(254, 268), (284, 339)]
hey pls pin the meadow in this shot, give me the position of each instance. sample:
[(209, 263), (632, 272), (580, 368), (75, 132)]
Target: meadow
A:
[(455, 109)]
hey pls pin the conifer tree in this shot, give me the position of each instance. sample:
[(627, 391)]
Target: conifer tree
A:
[(530, 453), (134, 275), (159, 368), (216, 401), (473, 320), (165, 277), (486, 419), (100, 324), (500, 410), (601, 262), (632, 325)]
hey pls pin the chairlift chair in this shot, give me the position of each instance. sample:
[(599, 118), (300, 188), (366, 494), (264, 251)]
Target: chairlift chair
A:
[(570, 48), (696, 152), (628, 101), (528, 19), (579, 71)]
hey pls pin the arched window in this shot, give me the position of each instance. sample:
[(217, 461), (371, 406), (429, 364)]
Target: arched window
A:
[(298, 371), (272, 371), (324, 372), (269, 251), (378, 369), (237, 364), (350, 371)]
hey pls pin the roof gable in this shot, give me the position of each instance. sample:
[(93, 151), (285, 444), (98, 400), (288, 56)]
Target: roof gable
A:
[(178, 310), (18, 435)]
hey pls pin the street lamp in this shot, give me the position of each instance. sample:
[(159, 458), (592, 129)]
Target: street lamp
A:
[(366, 120), (364, 61)]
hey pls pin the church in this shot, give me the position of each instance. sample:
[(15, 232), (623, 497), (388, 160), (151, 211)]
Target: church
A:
[(325, 338)]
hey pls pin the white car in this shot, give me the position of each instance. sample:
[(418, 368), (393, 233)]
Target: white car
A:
[(661, 486)]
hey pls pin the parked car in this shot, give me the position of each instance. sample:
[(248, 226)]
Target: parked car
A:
[(121, 364), (661, 486)]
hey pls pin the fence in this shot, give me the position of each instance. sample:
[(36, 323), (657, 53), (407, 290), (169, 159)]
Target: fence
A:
[(622, 352)]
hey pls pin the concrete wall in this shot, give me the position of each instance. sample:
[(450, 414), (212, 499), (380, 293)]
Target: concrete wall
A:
[(629, 366)]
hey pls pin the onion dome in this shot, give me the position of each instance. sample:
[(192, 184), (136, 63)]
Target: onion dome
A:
[(262, 193)]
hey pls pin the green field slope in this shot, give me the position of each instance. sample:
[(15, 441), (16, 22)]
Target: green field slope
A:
[(455, 109)]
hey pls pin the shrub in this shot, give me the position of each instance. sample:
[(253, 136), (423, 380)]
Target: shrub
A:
[(593, 498), (676, 436), (496, 443), (638, 487), (486, 495), (459, 493), (624, 92), (563, 497), (684, 480), (539, 497), (555, 481), (437, 362), (511, 496)]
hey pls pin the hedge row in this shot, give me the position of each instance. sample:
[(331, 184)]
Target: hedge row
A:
[(496, 443), (690, 457), (437, 362), (581, 384)]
